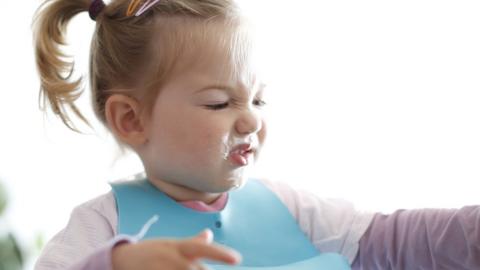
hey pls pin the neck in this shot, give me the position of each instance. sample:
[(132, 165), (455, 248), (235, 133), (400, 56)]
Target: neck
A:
[(182, 193)]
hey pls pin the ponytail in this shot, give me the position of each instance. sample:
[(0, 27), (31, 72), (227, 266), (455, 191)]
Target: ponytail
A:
[(57, 87), (130, 55)]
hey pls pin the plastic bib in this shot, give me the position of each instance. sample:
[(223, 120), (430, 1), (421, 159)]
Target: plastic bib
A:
[(254, 222)]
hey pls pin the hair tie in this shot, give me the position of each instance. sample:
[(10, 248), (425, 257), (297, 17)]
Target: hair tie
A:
[(134, 4), (95, 8)]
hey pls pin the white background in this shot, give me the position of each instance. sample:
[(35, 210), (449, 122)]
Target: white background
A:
[(377, 102)]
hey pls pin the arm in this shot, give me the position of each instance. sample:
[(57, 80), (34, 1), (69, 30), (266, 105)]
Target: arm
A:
[(422, 239), (86, 240), (101, 258)]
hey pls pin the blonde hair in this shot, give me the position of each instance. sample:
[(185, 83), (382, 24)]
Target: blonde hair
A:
[(124, 52)]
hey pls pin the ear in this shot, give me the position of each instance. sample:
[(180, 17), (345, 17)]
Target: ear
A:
[(123, 115)]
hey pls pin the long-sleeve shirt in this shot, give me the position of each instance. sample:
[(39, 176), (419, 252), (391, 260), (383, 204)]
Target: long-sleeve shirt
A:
[(367, 241), (433, 239)]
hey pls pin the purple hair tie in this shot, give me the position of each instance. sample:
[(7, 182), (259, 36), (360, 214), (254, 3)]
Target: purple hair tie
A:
[(95, 8)]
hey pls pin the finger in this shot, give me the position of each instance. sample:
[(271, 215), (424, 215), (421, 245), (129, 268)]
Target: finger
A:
[(196, 250), (205, 236), (198, 266), (202, 267)]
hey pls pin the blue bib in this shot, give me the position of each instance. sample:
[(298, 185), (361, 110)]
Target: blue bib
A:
[(254, 222)]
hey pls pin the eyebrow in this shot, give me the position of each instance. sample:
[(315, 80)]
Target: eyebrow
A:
[(216, 86), (226, 88)]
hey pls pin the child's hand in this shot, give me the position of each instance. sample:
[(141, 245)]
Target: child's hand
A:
[(171, 254)]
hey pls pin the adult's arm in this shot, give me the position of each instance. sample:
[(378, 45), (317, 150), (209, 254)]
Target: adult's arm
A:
[(422, 239)]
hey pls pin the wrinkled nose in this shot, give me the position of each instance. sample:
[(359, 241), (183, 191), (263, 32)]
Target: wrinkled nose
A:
[(249, 122)]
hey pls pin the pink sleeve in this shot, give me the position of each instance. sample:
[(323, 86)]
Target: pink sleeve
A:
[(101, 258), (422, 239), (88, 236)]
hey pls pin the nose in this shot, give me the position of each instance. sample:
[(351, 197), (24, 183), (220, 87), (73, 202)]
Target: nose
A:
[(250, 121)]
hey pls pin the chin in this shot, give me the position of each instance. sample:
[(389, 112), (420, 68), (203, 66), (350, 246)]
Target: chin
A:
[(225, 186), (237, 183)]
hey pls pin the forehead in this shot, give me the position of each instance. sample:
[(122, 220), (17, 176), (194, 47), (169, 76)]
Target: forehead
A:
[(217, 50)]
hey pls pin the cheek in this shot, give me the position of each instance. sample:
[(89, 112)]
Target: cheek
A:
[(184, 128), (202, 138)]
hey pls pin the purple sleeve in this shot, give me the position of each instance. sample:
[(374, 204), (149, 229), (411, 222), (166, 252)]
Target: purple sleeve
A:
[(101, 258), (422, 239)]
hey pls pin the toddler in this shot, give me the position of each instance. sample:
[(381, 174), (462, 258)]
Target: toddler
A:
[(174, 81)]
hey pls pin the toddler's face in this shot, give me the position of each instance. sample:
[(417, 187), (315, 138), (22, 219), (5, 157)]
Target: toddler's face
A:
[(200, 115)]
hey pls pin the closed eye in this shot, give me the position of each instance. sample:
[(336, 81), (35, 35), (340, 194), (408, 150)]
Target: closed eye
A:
[(217, 106), (220, 106)]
